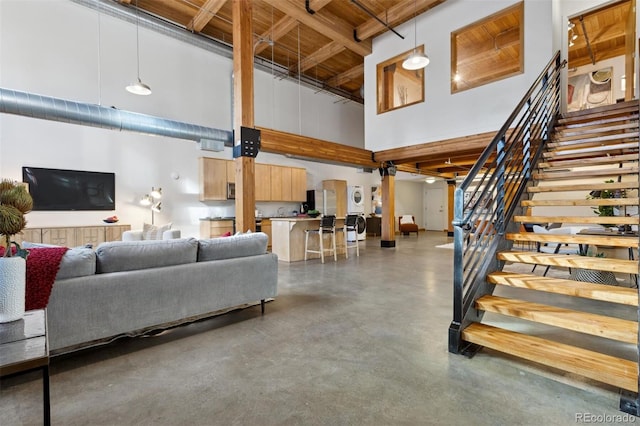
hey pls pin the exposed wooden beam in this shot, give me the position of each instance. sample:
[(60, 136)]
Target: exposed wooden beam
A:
[(324, 23), (278, 142), (397, 14), (205, 14), (424, 151), (453, 159), (346, 76), (319, 56), (279, 30), (284, 25)]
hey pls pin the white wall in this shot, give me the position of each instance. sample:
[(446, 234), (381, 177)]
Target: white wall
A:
[(444, 115), (54, 48), (409, 200), (287, 106)]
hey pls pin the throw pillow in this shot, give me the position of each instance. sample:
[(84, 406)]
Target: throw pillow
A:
[(154, 232), (406, 219)]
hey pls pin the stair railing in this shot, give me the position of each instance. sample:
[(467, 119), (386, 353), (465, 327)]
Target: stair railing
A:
[(490, 195)]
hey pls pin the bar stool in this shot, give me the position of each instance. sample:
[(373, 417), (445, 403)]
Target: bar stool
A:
[(327, 226), (351, 225)]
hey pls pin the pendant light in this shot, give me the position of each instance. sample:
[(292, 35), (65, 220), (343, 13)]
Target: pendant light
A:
[(417, 60), (138, 88)]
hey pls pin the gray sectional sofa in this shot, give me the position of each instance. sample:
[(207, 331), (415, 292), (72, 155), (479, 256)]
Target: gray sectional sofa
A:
[(129, 288)]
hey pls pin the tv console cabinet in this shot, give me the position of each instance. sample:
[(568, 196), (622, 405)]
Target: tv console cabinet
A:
[(73, 236)]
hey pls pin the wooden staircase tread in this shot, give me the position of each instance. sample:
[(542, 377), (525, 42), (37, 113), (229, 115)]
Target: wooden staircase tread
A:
[(582, 322), (605, 136), (606, 293), (583, 187), (569, 134), (608, 369), (550, 175), (588, 141), (598, 112), (600, 240), (578, 125), (599, 149), (583, 202), (613, 159), (590, 220), (571, 261)]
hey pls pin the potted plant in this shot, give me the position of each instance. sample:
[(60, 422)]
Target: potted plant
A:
[(15, 202), (607, 193)]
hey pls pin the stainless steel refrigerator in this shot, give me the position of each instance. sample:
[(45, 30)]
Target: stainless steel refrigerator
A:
[(326, 201)]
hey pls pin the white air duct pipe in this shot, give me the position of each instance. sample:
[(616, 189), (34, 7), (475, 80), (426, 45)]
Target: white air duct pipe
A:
[(66, 111)]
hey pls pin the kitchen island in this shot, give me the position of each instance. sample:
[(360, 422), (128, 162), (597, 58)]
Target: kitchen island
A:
[(287, 237)]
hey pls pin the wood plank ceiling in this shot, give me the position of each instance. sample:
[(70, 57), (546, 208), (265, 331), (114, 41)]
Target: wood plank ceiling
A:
[(600, 34), (327, 40)]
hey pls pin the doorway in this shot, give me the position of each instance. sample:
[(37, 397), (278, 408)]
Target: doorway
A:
[(434, 212)]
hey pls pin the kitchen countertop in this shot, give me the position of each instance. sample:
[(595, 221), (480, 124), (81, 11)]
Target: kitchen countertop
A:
[(217, 218), (299, 218)]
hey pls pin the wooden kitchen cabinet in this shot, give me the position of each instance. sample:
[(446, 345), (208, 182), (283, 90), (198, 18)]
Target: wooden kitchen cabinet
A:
[(288, 183), (213, 179), (73, 236), (272, 183), (33, 235), (263, 182), (280, 183), (65, 237), (213, 228), (266, 228), (93, 235), (114, 232), (231, 171), (298, 184)]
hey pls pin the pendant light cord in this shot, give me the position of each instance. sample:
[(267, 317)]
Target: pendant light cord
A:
[(138, 39), (99, 59), (415, 25), (299, 93)]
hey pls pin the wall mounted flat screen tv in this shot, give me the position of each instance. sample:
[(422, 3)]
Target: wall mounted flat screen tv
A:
[(55, 189)]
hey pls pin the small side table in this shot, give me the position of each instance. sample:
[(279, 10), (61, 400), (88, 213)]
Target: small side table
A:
[(24, 347), (374, 225)]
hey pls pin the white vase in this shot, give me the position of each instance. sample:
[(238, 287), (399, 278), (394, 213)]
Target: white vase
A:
[(13, 276)]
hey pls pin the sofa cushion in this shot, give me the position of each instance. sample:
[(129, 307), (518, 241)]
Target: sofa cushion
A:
[(77, 262), (241, 245), (130, 255)]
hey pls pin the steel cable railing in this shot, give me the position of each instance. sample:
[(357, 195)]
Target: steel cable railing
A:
[(490, 194)]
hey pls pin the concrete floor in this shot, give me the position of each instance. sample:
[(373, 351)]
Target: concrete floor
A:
[(361, 341)]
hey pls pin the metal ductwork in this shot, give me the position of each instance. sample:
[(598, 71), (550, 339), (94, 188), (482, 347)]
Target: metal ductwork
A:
[(66, 111)]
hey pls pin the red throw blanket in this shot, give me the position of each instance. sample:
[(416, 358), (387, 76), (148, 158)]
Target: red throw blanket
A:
[(43, 264)]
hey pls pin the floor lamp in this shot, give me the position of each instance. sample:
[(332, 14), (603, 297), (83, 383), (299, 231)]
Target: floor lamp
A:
[(152, 200)]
